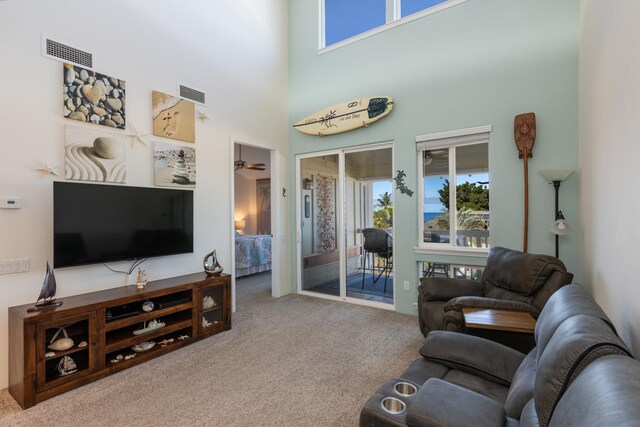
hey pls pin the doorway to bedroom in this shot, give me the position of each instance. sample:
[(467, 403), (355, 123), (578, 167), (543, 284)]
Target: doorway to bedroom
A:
[(253, 234)]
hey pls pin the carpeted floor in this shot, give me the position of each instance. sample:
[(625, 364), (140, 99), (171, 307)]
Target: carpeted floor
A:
[(292, 361)]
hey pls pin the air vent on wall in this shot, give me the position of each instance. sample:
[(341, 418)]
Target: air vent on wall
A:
[(64, 53), (191, 94)]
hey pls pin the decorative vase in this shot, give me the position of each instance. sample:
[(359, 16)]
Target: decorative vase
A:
[(211, 265)]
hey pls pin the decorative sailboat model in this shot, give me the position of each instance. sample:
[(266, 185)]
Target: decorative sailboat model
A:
[(67, 366), (47, 293)]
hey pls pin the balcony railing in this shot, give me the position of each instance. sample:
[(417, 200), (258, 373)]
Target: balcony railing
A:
[(464, 238)]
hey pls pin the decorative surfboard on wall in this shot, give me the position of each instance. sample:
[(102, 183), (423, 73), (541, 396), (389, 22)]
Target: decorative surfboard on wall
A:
[(346, 116)]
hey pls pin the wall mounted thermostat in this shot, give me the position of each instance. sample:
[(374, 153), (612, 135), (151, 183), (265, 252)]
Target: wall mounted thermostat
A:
[(10, 203)]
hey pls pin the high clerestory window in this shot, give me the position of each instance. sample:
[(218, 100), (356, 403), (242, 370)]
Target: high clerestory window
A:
[(344, 21)]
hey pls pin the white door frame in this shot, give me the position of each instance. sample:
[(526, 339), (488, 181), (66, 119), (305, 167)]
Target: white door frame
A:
[(340, 226), (276, 254)]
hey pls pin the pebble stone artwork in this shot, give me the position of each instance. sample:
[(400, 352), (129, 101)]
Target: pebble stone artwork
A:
[(93, 97)]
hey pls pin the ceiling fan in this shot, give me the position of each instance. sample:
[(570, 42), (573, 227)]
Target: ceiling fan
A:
[(430, 155), (241, 164)]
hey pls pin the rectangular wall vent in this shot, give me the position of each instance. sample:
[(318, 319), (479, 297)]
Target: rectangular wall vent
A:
[(191, 94), (64, 53)]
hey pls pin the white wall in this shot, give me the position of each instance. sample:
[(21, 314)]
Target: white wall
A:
[(234, 50), (609, 156)]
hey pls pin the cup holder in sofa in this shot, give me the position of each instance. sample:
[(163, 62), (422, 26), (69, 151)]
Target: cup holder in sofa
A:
[(393, 405), (405, 389)]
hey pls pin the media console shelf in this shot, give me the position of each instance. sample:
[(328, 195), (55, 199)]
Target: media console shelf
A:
[(102, 325)]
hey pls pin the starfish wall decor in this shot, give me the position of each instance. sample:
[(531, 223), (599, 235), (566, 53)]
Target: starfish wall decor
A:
[(48, 169), (136, 135), (202, 116)]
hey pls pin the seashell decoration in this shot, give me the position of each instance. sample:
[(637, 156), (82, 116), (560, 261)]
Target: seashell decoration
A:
[(143, 346), (205, 322), (148, 306), (212, 267), (82, 344), (208, 302), (60, 344)]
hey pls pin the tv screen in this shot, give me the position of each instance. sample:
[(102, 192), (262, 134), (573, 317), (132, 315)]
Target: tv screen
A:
[(95, 223)]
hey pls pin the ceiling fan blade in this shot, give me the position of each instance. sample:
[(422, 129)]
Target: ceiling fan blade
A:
[(262, 165), (255, 167)]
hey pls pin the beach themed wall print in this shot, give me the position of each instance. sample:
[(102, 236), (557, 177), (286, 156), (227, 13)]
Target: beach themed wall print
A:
[(93, 97), (174, 165), (173, 117), (94, 155)]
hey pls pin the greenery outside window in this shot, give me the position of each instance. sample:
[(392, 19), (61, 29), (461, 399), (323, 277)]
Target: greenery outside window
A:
[(455, 189), (344, 21)]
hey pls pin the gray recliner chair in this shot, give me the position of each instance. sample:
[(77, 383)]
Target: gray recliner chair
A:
[(512, 280)]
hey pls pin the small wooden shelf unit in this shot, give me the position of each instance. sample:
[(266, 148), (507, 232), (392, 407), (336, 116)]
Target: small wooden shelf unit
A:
[(34, 377)]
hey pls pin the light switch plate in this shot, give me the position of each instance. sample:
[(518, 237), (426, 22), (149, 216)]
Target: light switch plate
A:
[(407, 285), (10, 266)]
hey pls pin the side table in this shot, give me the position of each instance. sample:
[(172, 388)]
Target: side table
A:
[(511, 328)]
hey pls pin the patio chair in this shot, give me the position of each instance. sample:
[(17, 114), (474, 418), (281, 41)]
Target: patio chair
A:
[(377, 242)]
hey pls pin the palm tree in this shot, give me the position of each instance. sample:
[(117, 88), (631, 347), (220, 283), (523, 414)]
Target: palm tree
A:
[(464, 221), (384, 201)]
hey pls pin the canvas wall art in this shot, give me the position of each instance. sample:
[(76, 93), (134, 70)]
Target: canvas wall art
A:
[(263, 205), (174, 165), (93, 97), (94, 155), (173, 117), (326, 208)]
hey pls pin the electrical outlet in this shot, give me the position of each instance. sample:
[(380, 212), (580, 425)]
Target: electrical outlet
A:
[(407, 285)]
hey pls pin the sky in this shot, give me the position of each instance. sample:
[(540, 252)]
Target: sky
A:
[(379, 187), (346, 18)]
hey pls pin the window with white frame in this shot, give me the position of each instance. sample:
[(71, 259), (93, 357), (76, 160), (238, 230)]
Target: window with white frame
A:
[(454, 185), (343, 19)]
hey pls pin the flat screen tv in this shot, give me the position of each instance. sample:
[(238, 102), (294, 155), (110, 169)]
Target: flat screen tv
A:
[(94, 223)]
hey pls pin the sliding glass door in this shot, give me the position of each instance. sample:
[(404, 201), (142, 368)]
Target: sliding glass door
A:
[(368, 207), (345, 224), (319, 224)]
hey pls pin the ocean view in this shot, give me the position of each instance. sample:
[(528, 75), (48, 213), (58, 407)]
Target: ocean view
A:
[(428, 216)]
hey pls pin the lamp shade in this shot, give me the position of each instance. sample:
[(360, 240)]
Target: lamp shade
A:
[(552, 175), (240, 225)]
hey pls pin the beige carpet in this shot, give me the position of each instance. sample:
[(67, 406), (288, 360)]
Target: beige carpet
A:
[(292, 361)]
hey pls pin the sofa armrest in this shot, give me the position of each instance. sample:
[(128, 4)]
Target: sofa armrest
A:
[(491, 304), (478, 356), (444, 288), (442, 404)]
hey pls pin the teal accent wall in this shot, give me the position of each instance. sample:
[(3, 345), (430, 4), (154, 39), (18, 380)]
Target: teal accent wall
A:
[(481, 62)]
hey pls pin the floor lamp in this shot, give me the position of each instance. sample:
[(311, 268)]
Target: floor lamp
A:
[(560, 226)]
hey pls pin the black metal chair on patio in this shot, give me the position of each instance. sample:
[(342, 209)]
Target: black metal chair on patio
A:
[(377, 242)]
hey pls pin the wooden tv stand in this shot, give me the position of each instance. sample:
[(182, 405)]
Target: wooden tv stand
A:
[(34, 377)]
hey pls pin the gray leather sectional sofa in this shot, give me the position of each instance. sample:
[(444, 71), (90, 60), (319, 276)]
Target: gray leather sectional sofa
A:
[(579, 374)]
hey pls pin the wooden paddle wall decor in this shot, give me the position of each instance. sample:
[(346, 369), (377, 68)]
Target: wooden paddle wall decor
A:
[(525, 136)]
